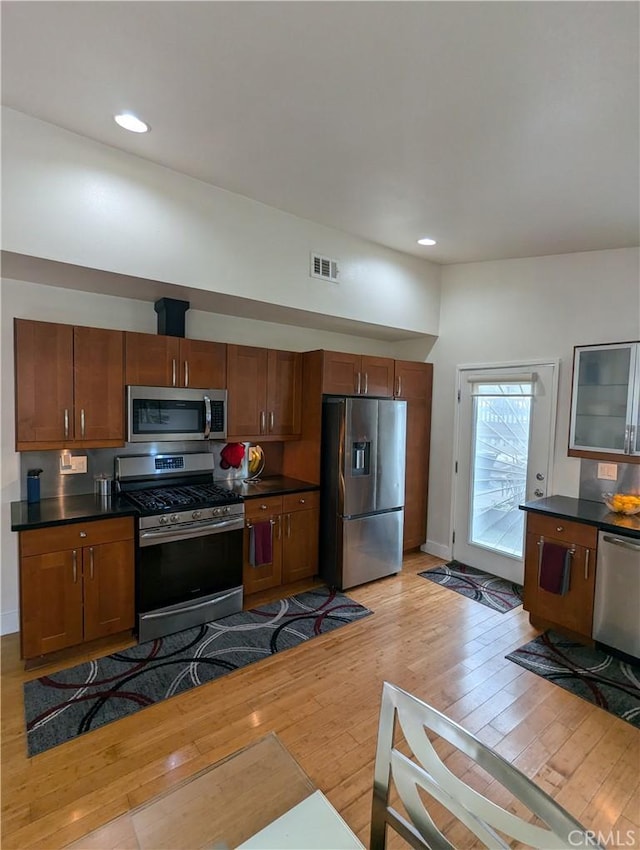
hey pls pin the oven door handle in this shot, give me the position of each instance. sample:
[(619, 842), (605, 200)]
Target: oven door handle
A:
[(152, 538)]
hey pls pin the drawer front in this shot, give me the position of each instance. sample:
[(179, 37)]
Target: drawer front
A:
[(59, 537), (300, 502), (561, 529), (257, 508)]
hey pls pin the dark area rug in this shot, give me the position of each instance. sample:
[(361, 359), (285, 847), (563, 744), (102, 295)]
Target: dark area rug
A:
[(494, 592), (588, 672), (82, 698)]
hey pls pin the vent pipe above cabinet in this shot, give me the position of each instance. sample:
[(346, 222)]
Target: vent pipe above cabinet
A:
[(171, 316)]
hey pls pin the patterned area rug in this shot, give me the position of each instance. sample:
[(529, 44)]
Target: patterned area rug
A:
[(585, 671), (82, 698), (494, 592)]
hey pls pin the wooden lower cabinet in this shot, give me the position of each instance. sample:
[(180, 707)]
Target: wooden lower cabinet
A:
[(300, 528), (571, 612), (294, 522), (76, 583)]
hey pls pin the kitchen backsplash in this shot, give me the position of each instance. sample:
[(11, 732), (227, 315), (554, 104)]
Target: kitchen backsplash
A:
[(100, 462), (592, 487)]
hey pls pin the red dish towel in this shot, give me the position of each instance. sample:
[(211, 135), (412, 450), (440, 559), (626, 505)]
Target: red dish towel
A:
[(260, 548), (555, 568)]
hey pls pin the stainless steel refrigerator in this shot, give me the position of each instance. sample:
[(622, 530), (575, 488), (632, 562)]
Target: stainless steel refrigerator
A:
[(362, 489)]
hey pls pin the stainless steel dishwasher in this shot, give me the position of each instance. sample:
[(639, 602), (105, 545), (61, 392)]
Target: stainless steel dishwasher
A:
[(616, 614)]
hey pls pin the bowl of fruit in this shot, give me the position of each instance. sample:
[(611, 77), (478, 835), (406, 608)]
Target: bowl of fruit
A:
[(622, 503)]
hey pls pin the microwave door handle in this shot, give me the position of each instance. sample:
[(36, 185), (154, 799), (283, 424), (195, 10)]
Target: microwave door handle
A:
[(207, 417)]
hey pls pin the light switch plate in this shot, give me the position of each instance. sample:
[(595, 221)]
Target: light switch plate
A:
[(608, 471), (78, 464)]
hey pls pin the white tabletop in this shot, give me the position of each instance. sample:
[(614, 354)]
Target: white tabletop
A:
[(311, 825)]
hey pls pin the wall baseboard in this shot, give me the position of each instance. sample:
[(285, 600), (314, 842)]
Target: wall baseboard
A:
[(9, 622), (437, 549)]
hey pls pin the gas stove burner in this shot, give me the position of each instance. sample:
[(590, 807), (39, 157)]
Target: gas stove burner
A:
[(183, 496)]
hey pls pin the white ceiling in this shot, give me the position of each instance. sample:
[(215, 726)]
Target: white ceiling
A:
[(503, 129)]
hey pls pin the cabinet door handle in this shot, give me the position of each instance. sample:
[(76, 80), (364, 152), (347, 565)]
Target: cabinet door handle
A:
[(271, 420), (82, 422), (366, 383), (91, 562), (559, 528), (632, 434), (173, 372), (301, 501), (627, 439), (66, 422), (263, 420), (359, 384), (83, 534), (280, 527), (186, 373), (288, 525), (74, 556), (586, 565)]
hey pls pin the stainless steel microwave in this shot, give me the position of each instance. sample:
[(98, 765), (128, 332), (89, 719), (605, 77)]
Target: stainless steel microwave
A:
[(162, 414)]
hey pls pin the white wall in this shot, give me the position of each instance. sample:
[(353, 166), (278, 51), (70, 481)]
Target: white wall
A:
[(73, 200), (54, 304), (509, 310)]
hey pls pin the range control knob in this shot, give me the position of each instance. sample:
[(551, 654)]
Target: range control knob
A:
[(216, 512), (225, 510), (164, 520), (196, 514), (174, 517)]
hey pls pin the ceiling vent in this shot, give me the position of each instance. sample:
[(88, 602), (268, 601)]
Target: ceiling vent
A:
[(324, 268)]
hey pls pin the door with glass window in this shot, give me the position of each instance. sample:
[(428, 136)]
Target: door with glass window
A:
[(506, 422)]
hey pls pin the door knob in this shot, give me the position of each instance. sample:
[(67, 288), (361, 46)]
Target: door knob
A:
[(540, 476)]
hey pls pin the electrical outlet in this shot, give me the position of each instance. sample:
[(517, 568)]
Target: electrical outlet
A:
[(78, 463), (608, 471)]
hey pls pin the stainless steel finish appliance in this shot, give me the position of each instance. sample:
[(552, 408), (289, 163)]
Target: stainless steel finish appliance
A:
[(616, 613), (156, 414), (362, 493), (189, 558)]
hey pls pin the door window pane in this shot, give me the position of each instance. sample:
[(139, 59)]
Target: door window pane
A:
[(502, 415)]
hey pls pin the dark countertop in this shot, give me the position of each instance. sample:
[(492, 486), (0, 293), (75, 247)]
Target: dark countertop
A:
[(582, 510), (67, 509), (271, 485)]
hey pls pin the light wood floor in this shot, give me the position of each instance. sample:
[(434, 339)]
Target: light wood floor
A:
[(322, 699)]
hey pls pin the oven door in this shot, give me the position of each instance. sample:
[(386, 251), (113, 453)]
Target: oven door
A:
[(188, 576)]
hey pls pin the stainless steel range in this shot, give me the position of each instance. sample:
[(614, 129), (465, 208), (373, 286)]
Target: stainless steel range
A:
[(189, 567)]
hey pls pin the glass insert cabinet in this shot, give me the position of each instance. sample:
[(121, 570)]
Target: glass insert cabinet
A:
[(605, 401)]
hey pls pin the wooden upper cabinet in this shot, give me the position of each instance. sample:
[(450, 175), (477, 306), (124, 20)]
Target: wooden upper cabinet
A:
[(154, 360), (376, 376), (284, 393), (44, 383), (151, 360), (98, 385), (69, 386), (203, 364), (264, 393), (247, 387), (413, 380), (357, 374), (340, 373)]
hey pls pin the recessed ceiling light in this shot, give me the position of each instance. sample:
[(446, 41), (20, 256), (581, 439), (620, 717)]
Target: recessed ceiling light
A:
[(129, 122), (426, 241)]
